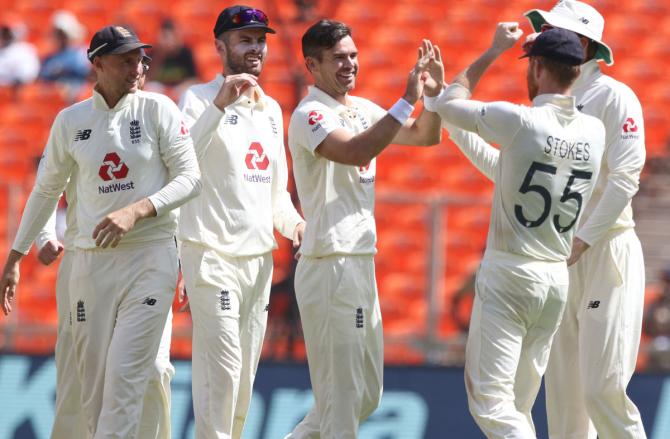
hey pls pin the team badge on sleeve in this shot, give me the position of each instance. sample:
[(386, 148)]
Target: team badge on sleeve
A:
[(314, 117), (630, 129)]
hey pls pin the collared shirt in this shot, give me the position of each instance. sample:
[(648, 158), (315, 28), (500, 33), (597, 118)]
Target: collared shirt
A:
[(244, 171), (617, 106), (138, 149), (337, 199), (550, 157)]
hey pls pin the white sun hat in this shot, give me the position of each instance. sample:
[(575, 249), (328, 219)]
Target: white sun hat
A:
[(577, 17)]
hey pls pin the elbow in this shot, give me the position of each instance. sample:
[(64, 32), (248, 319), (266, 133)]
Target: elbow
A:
[(197, 186)]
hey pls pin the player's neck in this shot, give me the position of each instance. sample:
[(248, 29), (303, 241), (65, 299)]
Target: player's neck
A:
[(342, 98), (550, 88), (111, 97)]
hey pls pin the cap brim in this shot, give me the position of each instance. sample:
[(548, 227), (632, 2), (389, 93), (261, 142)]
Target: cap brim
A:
[(538, 17), (125, 48), (251, 26)]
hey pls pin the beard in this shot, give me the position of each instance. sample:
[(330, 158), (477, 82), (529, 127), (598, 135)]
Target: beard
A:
[(237, 64)]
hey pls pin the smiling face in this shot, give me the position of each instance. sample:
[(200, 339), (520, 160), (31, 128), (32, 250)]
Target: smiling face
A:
[(242, 51), (335, 73), (119, 74)]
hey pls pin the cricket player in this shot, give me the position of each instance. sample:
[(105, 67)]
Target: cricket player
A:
[(227, 233), (69, 418), (595, 350), (334, 138), (131, 161), (549, 159)]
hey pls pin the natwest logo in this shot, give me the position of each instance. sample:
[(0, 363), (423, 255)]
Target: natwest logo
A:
[(256, 158), (630, 126), (113, 168), (314, 117)]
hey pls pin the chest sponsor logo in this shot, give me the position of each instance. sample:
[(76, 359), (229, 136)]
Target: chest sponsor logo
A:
[(363, 170), (113, 168), (630, 129), (82, 135), (256, 158), (135, 131)]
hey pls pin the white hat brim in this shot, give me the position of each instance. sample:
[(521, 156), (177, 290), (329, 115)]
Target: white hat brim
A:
[(538, 17)]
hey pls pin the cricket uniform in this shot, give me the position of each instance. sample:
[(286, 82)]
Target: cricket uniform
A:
[(549, 160), (335, 279), (595, 349), (227, 239), (119, 298)]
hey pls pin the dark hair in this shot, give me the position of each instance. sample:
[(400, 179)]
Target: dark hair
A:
[(564, 74), (322, 36)]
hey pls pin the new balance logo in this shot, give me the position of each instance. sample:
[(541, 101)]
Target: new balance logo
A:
[(593, 304), (135, 131), (267, 307), (580, 107), (81, 312), (359, 317), (149, 301), (231, 119), (82, 135), (224, 300)]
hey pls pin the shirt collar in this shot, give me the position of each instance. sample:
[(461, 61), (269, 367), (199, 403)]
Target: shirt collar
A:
[(327, 99), (562, 102), (590, 70), (255, 100), (99, 102)]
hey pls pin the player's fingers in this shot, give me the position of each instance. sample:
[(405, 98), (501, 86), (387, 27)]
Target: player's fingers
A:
[(101, 225), (438, 54), (116, 239)]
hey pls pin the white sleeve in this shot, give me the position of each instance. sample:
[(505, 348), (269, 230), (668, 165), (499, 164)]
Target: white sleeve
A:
[(481, 154), (176, 149), (284, 215), (496, 122), (48, 232), (315, 123), (201, 119), (625, 155), (49, 185)]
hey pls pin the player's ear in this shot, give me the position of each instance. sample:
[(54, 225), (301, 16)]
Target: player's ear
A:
[(220, 46), (310, 63)]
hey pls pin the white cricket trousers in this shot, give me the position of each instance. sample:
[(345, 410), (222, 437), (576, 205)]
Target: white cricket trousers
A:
[(69, 420), (229, 299), (342, 325), (120, 300), (595, 350), (518, 306)]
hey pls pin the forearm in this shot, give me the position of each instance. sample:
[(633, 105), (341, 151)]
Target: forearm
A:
[(48, 232), (481, 154), (178, 191), (284, 215), (605, 214), (204, 128), (425, 130), (469, 77), (36, 214)]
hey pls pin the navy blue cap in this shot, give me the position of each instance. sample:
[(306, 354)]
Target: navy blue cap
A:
[(560, 45), (241, 17), (114, 40)]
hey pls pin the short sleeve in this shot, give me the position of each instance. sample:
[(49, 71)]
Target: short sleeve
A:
[(313, 124)]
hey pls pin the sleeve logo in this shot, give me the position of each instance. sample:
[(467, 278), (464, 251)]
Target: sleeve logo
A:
[(630, 126), (314, 117)]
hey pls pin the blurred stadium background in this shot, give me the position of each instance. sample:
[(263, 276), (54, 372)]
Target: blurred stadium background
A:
[(432, 207)]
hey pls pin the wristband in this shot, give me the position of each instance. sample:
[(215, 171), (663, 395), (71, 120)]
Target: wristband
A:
[(401, 110)]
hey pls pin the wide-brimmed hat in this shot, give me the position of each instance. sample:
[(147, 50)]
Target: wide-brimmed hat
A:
[(577, 17)]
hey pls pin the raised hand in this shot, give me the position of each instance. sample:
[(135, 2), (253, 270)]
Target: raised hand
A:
[(417, 76), (434, 80), (506, 36), (233, 86)]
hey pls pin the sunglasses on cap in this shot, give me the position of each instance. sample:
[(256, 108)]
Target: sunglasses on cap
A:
[(250, 16)]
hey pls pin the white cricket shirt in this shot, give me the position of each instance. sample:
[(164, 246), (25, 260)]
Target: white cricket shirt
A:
[(550, 156), (244, 172), (138, 149), (617, 106), (337, 199)]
